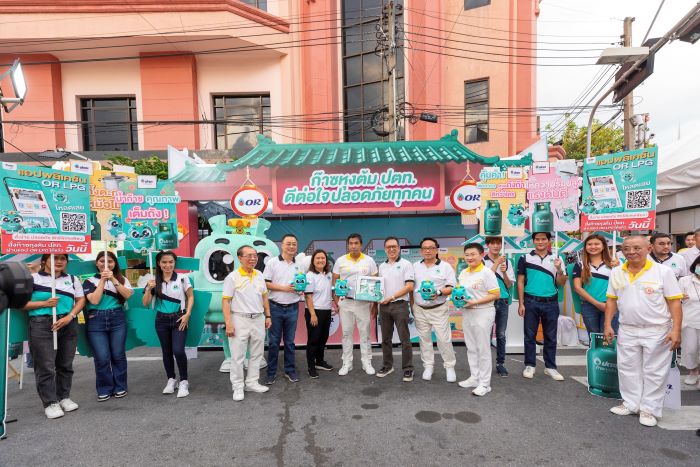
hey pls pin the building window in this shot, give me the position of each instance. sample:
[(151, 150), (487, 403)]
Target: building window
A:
[(246, 116), (260, 4), (365, 78), (476, 111), (107, 126), (471, 4)]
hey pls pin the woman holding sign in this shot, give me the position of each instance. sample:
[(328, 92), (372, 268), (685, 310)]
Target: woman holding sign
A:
[(173, 298), (53, 367), (106, 293)]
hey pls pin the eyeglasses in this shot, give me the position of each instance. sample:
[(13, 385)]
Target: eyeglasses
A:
[(391, 247), (429, 248), (254, 255)]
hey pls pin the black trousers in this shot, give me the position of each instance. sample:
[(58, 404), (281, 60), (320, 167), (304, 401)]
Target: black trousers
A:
[(53, 369), (317, 336), (390, 315)]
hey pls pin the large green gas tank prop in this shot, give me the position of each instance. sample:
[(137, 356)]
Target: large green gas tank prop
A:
[(601, 360)]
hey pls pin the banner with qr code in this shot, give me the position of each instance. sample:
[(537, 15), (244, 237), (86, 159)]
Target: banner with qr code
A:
[(619, 191), (43, 210)]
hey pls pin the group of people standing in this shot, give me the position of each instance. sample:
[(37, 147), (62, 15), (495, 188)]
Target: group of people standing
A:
[(638, 301)]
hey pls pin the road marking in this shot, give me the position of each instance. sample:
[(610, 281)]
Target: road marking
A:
[(688, 418), (142, 359), (569, 360)]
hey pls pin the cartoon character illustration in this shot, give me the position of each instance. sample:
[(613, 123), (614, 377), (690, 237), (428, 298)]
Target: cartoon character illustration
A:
[(589, 206), (217, 255), (341, 288), (459, 296), (516, 215), (427, 290), (114, 227), (377, 291), (140, 237), (11, 221), (299, 282), (60, 197), (628, 177), (568, 216)]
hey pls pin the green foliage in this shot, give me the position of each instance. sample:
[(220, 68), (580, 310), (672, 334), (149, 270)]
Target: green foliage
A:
[(604, 139), (150, 166)]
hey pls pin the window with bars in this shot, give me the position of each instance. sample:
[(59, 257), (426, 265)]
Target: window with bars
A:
[(107, 124), (365, 78), (260, 4), (246, 116), (476, 111)]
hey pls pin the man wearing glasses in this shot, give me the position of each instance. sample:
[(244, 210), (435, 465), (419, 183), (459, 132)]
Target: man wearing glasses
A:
[(435, 279), (284, 307), (398, 283)]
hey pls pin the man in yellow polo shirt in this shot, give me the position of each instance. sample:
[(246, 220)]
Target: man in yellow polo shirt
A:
[(647, 296)]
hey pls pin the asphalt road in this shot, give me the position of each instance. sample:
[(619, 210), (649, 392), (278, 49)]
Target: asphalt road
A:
[(352, 420)]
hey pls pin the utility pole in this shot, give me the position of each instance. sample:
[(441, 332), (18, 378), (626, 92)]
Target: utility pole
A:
[(627, 102), (393, 116)]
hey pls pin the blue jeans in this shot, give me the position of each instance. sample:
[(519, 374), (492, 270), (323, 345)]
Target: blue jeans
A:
[(501, 323), (172, 343), (284, 325), (106, 332), (548, 313), (594, 319)]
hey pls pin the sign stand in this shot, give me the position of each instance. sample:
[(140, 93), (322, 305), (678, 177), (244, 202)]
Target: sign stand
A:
[(53, 295)]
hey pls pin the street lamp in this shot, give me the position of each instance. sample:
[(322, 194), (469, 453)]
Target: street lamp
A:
[(19, 86)]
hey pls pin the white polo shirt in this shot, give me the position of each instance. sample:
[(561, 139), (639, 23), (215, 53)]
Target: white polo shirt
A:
[(442, 275), (280, 272), (396, 275), (245, 291), (319, 287), (673, 261), (689, 255), (690, 286), (510, 274), (479, 282), (641, 298), (68, 290), (350, 270)]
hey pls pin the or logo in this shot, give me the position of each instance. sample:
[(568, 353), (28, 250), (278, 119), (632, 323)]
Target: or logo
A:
[(466, 197), (249, 201)]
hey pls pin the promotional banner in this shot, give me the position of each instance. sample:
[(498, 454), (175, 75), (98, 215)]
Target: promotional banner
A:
[(149, 214), (503, 204), (619, 191), (552, 194), (43, 210), (357, 188), (105, 210)]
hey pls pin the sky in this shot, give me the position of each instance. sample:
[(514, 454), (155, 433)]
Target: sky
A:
[(671, 95)]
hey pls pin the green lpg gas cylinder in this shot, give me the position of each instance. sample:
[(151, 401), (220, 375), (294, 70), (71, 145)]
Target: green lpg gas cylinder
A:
[(493, 217), (96, 232), (542, 218), (166, 239), (602, 367)]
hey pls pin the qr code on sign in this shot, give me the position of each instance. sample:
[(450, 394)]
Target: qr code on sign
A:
[(639, 199), (74, 222)]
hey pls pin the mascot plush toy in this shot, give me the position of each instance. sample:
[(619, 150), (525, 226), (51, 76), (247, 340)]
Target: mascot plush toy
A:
[(459, 296), (300, 282), (427, 290), (341, 288)]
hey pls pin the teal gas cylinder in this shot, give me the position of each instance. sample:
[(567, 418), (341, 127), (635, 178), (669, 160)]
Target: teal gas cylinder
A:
[(96, 228), (166, 239), (542, 217), (493, 217), (601, 361)]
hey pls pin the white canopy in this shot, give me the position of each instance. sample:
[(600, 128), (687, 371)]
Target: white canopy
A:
[(679, 166)]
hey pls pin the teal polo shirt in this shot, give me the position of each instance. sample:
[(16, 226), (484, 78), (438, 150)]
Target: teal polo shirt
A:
[(597, 286), (540, 274), (174, 294), (68, 289), (110, 296)]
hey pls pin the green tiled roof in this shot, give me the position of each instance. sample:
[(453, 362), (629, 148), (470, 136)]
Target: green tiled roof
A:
[(446, 149), (198, 174)]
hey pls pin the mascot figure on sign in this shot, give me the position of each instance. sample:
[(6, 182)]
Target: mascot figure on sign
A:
[(217, 255)]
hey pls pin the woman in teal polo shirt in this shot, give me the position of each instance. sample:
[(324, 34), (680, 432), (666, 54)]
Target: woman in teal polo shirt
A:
[(53, 368), (106, 293)]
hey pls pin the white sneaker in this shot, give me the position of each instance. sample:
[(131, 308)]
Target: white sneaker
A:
[(481, 390), (621, 410), (183, 389), (428, 373), (529, 372), (256, 387), (170, 387), (238, 394), (54, 411), (469, 383), (554, 374), (691, 380), (345, 369), (225, 366), (647, 419), (369, 369), (68, 405), (451, 375)]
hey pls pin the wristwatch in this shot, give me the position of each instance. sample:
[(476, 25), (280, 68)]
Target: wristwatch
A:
[(439, 292)]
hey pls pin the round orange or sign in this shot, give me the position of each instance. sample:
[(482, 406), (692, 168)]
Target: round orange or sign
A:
[(466, 197), (249, 201)]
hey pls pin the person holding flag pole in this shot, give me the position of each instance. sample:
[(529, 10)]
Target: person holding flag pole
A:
[(57, 298)]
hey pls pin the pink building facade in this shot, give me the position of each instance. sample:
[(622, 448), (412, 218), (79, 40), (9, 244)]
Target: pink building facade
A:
[(111, 75)]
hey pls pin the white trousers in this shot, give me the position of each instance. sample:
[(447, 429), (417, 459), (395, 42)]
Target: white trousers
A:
[(690, 342), (477, 325), (438, 320), (643, 363), (355, 312), (248, 336)]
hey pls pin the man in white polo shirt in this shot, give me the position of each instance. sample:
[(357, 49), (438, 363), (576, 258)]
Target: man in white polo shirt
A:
[(247, 315), (661, 253), (431, 313), (690, 253), (349, 267), (393, 310), (284, 307), (647, 296)]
